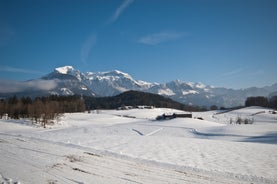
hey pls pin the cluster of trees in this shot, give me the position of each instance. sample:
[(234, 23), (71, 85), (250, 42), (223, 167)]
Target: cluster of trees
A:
[(262, 101), (240, 120), (41, 109)]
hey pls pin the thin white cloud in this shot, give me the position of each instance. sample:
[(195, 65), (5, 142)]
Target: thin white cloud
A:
[(120, 9), (234, 72), (9, 86), (92, 39), (243, 72), (18, 70), (86, 47), (157, 38)]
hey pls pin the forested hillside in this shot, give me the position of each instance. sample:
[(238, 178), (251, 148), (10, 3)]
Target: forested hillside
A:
[(136, 98)]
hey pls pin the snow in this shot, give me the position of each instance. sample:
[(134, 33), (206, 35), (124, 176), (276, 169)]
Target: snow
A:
[(186, 92), (167, 92), (111, 75), (66, 91), (113, 82), (64, 69), (145, 84), (200, 85), (130, 146), (191, 84)]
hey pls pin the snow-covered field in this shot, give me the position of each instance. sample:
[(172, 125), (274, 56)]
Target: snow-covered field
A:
[(130, 146)]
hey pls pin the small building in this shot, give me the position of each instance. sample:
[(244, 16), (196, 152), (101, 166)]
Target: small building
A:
[(172, 116)]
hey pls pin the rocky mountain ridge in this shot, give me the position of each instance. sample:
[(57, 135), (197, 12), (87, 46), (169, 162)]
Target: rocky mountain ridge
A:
[(70, 81), (115, 82)]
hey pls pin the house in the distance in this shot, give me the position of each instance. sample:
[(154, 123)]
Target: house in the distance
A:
[(172, 116)]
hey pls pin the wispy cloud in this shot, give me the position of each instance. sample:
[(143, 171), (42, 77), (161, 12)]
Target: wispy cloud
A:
[(86, 47), (18, 70), (234, 72), (92, 39), (120, 9), (160, 37), (243, 72), (9, 86)]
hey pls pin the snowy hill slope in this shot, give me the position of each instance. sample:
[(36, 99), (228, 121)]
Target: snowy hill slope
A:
[(177, 149)]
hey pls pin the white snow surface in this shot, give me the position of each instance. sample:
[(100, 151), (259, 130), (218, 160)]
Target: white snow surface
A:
[(166, 91), (130, 146), (189, 92), (64, 69)]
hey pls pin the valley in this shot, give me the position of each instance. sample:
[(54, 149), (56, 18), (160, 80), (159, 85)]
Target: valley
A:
[(130, 146)]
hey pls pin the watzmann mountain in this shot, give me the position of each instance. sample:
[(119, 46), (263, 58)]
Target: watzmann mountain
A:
[(70, 81)]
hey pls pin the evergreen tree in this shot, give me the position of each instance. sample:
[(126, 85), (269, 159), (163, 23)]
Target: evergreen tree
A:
[(257, 101)]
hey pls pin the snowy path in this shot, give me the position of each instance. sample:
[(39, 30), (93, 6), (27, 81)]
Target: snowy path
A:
[(29, 161)]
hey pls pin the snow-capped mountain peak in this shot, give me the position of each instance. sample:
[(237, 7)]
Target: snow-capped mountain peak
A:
[(113, 82), (64, 69), (113, 75), (119, 73), (191, 84), (69, 70), (200, 85)]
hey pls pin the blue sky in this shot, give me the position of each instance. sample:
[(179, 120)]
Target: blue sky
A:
[(229, 43)]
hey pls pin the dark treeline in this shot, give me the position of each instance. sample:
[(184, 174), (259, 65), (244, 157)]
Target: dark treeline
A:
[(136, 98), (41, 109), (262, 101)]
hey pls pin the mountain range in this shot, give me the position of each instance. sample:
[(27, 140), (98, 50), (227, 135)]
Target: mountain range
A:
[(68, 81)]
